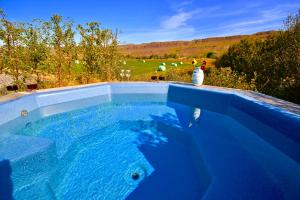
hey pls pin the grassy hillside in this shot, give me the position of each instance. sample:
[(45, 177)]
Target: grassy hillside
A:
[(194, 48)]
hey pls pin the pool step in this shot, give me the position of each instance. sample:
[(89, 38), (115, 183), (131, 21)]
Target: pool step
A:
[(31, 158), (39, 190), (66, 128), (109, 159)]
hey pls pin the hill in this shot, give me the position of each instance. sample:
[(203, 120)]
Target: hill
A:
[(194, 48)]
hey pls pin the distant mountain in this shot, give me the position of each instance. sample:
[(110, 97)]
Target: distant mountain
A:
[(194, 48)]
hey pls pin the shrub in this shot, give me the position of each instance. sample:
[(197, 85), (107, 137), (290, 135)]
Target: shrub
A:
[(273, 64), (225, 77), (211, 54)]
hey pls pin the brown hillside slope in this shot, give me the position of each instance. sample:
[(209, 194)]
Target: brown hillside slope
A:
[(194, 48)]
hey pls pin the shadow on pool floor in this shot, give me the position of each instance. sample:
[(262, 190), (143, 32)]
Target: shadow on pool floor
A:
[(175, 175)]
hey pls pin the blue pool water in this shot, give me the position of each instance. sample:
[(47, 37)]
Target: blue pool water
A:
[(147, 149)]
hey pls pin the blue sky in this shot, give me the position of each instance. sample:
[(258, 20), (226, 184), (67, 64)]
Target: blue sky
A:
[(162, 20)]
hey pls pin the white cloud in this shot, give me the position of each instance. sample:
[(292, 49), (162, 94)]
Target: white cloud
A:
[(274, 16), (179, 5), (178, 20), (185, 3), (248, 29), (179, 26), (174, 27)]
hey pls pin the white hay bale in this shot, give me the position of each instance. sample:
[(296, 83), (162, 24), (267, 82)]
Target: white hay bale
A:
[(161, 68)]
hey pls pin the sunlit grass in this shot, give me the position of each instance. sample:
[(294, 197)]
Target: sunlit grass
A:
[(140, 68)]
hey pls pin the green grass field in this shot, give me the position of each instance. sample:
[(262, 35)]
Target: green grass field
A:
[(138, 67), (141, 69)]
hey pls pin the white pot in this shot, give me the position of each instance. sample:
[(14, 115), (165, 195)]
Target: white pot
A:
[(198, 76)]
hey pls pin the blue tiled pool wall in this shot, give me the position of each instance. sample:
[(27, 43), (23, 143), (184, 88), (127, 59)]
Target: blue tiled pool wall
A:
[(277, 127), (273, 150), (239, 107), (245, 111), (92, 94)]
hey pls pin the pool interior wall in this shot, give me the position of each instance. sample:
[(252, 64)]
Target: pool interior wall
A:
[(271, 124)]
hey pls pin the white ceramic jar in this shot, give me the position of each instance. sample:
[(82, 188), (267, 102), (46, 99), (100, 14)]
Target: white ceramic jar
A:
[(198, 76)]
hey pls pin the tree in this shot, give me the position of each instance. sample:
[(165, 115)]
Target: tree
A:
[(89, 47), (274, 64), (49, 48), (37, 50), (240, 58), (279, 74), (110, 54), (12, 59), (61, 39), (99, 50), (69, 48)]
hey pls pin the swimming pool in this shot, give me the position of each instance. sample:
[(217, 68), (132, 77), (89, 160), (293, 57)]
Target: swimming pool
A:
[(147, 141)]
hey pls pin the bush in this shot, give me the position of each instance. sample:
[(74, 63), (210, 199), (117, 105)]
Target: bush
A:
[(225, 77), (179, 75), (49, 47), (273, 64), (211, 54)]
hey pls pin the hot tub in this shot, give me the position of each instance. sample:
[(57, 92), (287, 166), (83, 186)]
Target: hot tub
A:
[(148, 141)]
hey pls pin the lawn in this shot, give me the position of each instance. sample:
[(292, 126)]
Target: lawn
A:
[(141, 69)]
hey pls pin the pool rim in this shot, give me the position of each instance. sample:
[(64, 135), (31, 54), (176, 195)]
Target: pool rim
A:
[(278, 104)]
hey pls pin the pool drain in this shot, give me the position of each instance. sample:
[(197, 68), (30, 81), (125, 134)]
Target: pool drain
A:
[(135, 176)]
